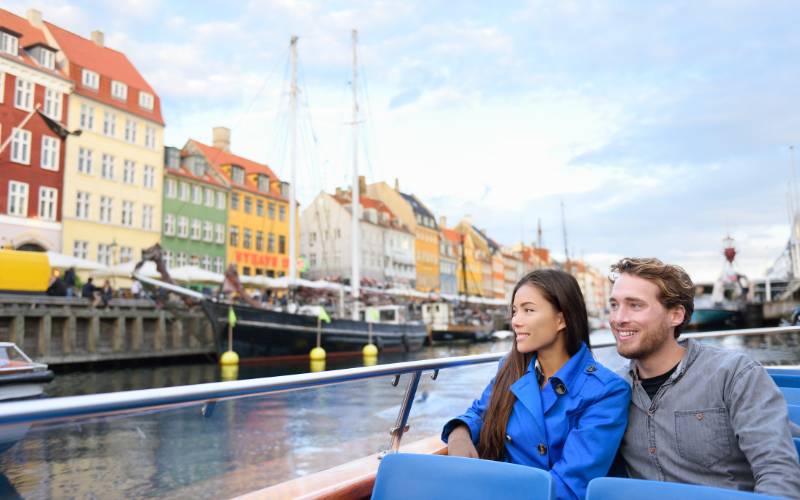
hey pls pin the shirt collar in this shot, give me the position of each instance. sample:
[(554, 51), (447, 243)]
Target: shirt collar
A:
[(692, 350)]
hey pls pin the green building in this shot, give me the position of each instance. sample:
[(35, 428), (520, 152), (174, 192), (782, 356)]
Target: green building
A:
[(195, 212)]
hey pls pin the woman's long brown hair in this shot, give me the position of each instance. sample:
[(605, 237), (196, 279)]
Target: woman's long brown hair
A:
[(562, 291)]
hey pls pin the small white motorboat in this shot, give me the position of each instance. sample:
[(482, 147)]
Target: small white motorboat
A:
[(20, 377)]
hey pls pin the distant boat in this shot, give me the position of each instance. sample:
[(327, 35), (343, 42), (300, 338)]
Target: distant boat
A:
[(20, 377), (724, 308)]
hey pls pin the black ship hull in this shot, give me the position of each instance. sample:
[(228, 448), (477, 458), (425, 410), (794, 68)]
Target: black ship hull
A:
[(264, 334)]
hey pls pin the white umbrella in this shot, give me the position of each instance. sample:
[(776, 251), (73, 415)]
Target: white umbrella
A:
[(61, 261), (125, 269), (195, 274)]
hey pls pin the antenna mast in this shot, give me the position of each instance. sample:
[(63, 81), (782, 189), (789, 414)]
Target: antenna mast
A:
[(355, 203), (293, 168)]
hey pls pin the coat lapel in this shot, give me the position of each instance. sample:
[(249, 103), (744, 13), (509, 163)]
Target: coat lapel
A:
[(527, 392)]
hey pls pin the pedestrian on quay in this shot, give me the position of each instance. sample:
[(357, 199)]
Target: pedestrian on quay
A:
[(87, 292), (699, 414), (136, 289), (56, 288), (551, 405), (69, 281), (106, 293)]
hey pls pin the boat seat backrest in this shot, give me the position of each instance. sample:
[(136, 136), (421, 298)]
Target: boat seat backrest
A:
[(791, 394), (421, 477), (614, 488), (794, 414), (784, 380), (784, 371), (797, 446)]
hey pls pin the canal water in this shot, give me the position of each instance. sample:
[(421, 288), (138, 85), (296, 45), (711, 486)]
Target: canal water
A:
[(252, 443)]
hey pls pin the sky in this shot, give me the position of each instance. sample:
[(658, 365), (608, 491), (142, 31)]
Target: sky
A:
[(661, 127)]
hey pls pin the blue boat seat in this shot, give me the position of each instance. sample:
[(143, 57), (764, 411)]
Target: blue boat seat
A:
[(784, 371), (784, 380), (794, 414), (615, 488), (791, 394), (408, 475), (797, 445)]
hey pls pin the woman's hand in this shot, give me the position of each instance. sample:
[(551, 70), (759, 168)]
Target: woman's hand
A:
[(459, 444)]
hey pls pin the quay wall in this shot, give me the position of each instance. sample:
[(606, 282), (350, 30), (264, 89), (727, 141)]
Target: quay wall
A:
[(61, 330)]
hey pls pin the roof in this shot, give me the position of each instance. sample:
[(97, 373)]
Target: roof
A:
[(451, 235), (187, 174), (419, 207), (109, 63), (366, 202), (492, 244), (28, 37)]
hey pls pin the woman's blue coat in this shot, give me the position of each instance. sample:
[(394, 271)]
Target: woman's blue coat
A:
[(571, 427)]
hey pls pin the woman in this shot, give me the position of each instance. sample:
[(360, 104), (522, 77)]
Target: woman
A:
[(551, 405)]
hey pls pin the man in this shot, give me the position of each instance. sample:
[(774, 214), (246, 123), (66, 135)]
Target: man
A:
[(698, 414)]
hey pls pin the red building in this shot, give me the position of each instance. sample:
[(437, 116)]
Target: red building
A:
[(33, 106)]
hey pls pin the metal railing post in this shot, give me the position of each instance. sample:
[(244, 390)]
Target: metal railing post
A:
[(401, 425)]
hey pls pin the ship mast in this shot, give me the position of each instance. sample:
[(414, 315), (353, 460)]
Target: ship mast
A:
[(355, 203), (293, 167)]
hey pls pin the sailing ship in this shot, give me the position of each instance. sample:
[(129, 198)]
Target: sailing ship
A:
[(725, 307)]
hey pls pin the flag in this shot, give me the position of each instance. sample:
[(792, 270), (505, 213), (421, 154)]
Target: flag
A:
[(323, 315), (373, 316), (231, 317)]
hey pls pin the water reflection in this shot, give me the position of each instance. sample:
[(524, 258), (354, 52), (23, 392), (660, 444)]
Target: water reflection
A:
[(251, 443)]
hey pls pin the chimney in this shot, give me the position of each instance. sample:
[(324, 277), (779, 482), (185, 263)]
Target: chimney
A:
[(362, 185), (397, 184), (442, 221), (35, 18), (98, 38), (222, 138)]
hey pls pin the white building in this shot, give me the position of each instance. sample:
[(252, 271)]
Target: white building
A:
[(386, 245)]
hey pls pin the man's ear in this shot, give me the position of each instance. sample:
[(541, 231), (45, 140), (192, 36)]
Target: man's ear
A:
[(676, 315)]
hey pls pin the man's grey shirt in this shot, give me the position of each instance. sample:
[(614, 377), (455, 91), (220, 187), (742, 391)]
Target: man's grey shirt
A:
[(719, 420)]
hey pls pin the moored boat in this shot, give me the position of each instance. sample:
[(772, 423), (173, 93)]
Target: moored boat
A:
[(20, 377)]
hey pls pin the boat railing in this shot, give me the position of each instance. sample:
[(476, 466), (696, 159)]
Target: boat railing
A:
[(209, 394)]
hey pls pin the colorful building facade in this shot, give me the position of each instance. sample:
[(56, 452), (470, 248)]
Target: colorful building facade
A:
[(34, 93)]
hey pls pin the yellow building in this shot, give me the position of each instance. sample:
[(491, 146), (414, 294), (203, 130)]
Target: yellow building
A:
[(113, 170), (479, 250), (413, 213), (258, 210)]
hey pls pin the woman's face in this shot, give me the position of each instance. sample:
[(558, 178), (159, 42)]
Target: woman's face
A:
[(535, 321)]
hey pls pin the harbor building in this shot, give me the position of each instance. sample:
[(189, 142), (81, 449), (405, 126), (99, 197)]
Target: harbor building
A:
[(470, 272), (195, 211), (449, 258), (258, 208), (386, 244), (113, 170), (420, 220), (34, 94)]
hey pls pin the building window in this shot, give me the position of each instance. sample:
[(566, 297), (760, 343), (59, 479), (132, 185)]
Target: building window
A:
[(48, 201), (85, 161), (195, 229), (146, 100), (181, 261), (109, 123), (282, 213), (247, 238), (90, 79), (263, 183), (2, 84), (105, 209), (119, 90), (218, 265), (220, 200), (260, 208), (107, 167), (87, 117), (234, 236), (125, 254), (234, 201), (168, 258), (52, 103), (281, 244), (169, 224), (127, 213), (237, 174), (172, 188), (129, 172), (147, 217), (259, 241), (17, 199), (149, 179), (271, 243), (208, 231), (184, 191), (9, 43), (44, 57), (104, 253), (209, 197), (21, 146), (23, 96), (50, 150), (183, 226), (271, 211), (248, 205), (150, 137), (80, 249), (197, 195), (206, 263), (82, 205), (246, 270), (130, 130), (219, 233)]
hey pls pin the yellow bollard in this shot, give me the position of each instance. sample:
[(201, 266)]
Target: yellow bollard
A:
[(370, 360), (229, 358), (317, 354), (370, 350), (229, 372), (317, 366)]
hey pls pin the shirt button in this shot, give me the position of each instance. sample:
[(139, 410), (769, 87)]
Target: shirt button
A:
[(542, 449), (561, 389), (591, 368), (508, 438), (700, 416), (652, 451)]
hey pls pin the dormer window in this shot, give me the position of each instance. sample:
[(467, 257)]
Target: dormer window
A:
[(196, 165), (263, 183), (146, 100), (237, 174), (119, 90), (9, 43), (90, 79), (44, 56)]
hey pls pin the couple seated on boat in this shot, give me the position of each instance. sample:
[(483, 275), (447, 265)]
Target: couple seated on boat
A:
[(681, 412)]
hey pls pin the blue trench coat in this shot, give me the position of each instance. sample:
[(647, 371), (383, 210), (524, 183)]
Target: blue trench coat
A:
[(571, 427)]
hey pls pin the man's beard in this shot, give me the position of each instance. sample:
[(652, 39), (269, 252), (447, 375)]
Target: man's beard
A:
[(649, 342)]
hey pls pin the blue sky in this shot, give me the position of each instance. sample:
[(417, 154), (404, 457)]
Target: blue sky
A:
[(662, 127)]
